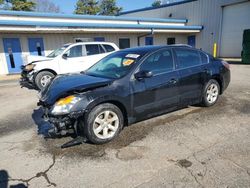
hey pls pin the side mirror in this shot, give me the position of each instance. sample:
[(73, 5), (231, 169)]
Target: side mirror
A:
[(143, 74), (65, 56)]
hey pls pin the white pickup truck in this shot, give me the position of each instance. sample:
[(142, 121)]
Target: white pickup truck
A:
[(70, 58)]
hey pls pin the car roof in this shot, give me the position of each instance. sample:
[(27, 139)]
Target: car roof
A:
[(94, 42), (147, 49)]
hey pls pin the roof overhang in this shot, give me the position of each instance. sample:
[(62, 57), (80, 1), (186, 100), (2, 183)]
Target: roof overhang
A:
[(40, 22), (25, 26)]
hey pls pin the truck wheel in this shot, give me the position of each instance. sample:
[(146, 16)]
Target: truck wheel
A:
[(103, 123), (211, 93), (43, 78)]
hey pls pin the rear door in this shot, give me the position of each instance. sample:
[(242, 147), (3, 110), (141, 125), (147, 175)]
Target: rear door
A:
[(190, 72), (95, 52), (161, 91)]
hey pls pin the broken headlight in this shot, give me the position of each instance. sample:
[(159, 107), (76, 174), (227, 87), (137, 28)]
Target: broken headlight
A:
[(64, 105), (29, 67)]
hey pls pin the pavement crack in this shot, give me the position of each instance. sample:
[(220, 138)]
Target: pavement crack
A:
[(38, 175)]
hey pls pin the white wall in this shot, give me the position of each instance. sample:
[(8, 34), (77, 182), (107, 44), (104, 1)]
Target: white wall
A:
[(207, 13), (53, 41)]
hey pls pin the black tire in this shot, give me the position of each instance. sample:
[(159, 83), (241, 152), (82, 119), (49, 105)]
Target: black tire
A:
[(89, 123), (205, 101), (40, 76)]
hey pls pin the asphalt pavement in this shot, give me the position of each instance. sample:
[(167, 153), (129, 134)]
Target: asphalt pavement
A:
[(192, 147)]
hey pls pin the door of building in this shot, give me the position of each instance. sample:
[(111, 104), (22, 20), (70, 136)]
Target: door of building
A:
[(191, 40), (36, 46), (13, 54), (149, 41)]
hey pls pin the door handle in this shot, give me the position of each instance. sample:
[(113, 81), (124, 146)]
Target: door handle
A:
[(172, 81)]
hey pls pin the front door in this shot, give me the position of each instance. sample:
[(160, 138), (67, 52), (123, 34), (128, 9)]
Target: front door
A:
[(36, 46), (161, 91), (73, 60), (13, 54)]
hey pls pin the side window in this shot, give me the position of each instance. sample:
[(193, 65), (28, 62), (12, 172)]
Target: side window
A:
[(204, 58), (187, 58), (75, 51), (159, 62), (108, 48), (92, 49)]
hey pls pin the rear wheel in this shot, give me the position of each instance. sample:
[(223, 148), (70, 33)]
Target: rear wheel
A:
[(103, 123), (211, 93), (43, 79)]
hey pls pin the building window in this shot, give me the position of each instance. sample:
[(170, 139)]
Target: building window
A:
[(99, 39), (83, 39), (124, 43), (149, 41), (171, 40)]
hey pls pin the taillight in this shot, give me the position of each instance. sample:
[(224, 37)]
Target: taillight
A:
[(226, 64)]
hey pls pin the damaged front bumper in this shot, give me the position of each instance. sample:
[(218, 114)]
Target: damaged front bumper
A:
[(27, 78), (63, 124)]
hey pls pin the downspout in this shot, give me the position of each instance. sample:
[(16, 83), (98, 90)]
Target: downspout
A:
[(148, 34)]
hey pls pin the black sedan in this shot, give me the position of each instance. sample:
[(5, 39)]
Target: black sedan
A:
[(132, 85)]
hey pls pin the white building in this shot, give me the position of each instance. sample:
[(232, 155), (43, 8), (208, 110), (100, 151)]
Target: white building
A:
[(223, 20), (24, 33), (199, 23)]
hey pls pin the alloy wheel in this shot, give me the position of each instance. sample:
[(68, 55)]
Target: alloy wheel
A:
[(212, 93), (106, 124)]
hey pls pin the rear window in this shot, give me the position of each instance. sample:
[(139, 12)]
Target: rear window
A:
[(108, 48), (187, 58)]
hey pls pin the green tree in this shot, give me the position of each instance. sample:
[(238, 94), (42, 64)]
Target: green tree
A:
[(156, 3), (18, 5), (109, 8), (87, 7)]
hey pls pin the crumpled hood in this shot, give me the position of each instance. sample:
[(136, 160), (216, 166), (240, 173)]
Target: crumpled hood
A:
[(34, 59), (64, 85)]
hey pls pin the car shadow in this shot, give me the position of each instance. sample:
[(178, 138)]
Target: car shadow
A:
[(4, 181)]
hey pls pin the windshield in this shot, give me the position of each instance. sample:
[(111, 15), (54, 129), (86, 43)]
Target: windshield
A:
[(58, 51), (114, 66)]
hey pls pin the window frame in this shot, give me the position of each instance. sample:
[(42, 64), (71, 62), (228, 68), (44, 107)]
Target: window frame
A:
[(153, 53), (188, 49)]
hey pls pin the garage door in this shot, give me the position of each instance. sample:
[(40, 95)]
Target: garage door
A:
[(236, 18)]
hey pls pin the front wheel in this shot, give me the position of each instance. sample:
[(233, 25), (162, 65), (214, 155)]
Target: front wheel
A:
[(211, 93), (43, 78), (103, 123)]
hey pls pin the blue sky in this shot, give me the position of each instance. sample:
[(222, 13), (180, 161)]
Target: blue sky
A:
[(68, 6)]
